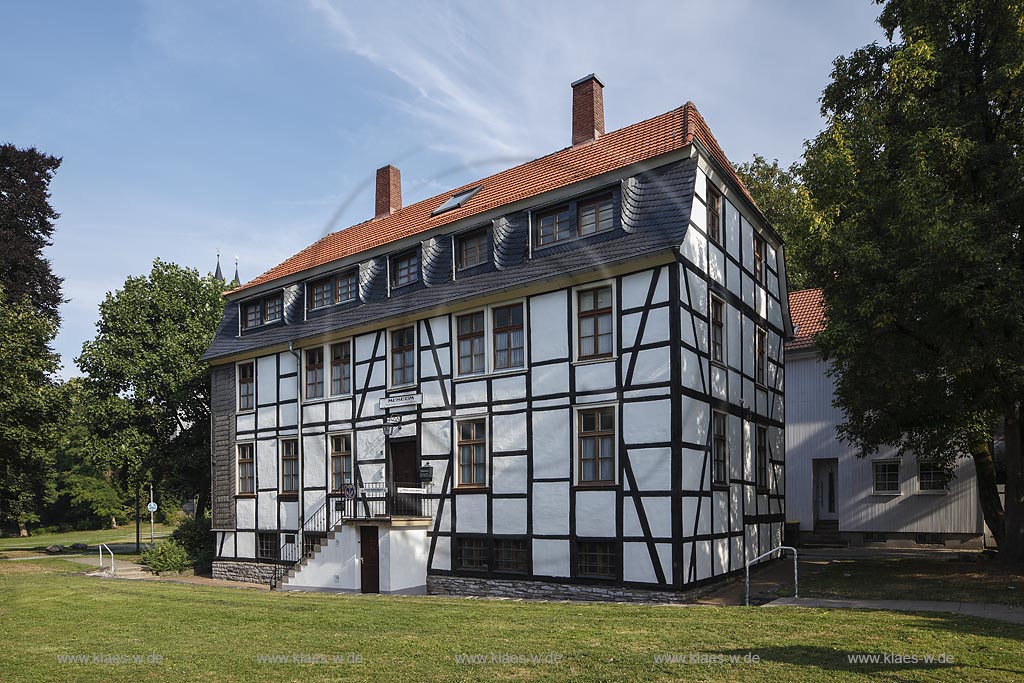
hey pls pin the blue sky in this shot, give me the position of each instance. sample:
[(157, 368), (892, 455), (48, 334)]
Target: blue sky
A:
[(253, 127)]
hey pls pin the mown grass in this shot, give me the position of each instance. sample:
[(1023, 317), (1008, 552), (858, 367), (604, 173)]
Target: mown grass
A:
[(214, 634), (15, 546), (981, 580)]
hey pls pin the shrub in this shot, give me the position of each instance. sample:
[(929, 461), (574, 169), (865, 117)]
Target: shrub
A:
[(197, 539), (169, 556)]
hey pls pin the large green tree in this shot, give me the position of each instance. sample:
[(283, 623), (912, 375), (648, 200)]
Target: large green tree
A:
[(26, 227), (923, 270), (150, 337), (30, 412), (784, 199)]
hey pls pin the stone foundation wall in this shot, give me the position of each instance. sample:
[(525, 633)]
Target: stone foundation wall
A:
[(546, 590), (251, 572)]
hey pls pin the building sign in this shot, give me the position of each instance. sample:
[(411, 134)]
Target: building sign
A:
[(399, 401)]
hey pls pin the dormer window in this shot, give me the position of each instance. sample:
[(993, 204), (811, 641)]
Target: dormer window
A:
[(554, 226), (262, 311), (595, 215), (337, 289), (272, 309), (405, 269), (473, 249)]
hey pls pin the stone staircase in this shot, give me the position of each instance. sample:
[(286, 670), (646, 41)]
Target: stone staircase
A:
[(825, 535), (308, 557)]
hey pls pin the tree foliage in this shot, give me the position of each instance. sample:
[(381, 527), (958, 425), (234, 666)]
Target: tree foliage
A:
[(150, 338), (923, 269), (26, 227), (785, 201), (30, 411)]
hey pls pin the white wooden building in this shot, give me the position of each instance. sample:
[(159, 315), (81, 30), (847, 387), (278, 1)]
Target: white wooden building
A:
[(561, 380), (837, 495)]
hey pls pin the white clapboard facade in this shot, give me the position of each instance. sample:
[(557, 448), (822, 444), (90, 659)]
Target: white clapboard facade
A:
[(841, 498), (570, 384)]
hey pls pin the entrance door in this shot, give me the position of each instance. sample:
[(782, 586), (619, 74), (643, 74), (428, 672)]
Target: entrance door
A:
[(405, 473), (370, 549), (405, 463), (825, 489)]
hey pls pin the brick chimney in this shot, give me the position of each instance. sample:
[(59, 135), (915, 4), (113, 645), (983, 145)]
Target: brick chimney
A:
[(587, 110), (389, 191)]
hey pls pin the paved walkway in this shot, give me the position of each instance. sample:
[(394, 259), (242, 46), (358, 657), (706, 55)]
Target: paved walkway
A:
[(1008, 613)]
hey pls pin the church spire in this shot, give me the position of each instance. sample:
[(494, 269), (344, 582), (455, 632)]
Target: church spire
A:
[(218, 274), (237, 281)]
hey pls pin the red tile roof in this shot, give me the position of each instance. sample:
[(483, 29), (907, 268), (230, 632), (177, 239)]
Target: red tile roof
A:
[(639, 142), (807, 310)]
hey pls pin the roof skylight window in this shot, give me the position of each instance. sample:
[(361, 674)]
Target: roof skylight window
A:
[(456, 200)]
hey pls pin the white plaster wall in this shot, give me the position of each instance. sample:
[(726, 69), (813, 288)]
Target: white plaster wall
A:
[(548, 340), (471, 513), (595, 513), (551, 508), (550, 557), (551, 443), (509, 516)]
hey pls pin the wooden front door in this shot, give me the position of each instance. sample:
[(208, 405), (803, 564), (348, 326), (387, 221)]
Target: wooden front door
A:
[(405, 463), (369, 548), (405, 472)]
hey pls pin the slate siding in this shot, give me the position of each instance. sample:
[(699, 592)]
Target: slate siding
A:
[(222, 446)]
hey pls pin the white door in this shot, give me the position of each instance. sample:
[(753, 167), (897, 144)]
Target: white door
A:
[(825, 488)]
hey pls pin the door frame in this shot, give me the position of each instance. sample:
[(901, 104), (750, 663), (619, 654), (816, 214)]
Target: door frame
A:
[(363, 535), (390, 473), (819, 470)]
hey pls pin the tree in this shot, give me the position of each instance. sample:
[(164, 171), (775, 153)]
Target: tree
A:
[(26, 227), (783, 197), (29, 411), (150, 338), (923, 269)]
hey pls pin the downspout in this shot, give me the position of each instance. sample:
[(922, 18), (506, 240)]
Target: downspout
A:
[(302, 463)]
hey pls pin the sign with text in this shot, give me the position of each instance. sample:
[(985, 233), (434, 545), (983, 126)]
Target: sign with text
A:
[(399, 401)]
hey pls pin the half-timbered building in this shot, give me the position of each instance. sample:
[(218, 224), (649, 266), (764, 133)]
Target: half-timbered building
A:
[(564, 379)]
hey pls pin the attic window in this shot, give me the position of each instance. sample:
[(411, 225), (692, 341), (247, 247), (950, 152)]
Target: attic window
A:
[(456, 200)]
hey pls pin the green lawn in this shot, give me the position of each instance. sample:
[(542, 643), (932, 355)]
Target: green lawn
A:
[(14, 546), (955, 580), (218, 634)]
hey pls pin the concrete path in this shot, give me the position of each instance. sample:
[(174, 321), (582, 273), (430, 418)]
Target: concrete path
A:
[(1007, 613)]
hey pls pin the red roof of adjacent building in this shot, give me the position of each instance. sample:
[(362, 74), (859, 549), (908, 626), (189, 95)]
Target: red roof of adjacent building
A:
[(807, 311), (639, 142)]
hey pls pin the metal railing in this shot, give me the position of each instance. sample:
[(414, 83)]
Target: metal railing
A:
[(104, 546), (376, 501), (796, 585), (372, 501)]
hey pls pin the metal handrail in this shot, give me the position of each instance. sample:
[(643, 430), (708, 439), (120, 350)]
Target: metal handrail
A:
[(112, 569), (796, 586)]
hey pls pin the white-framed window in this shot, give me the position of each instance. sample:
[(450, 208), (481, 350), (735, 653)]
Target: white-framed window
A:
[(932, 478), (289, 449), (759, 259), (596, 461), (716, 329), (313, 362), (719, 448), (490, 339), (761, 457), (341, 460), (402, 356), (471, 449), (246, 456), (245, 374), (341, 368), (761, 357), (593, 310), (885, 477), (714, 217)]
